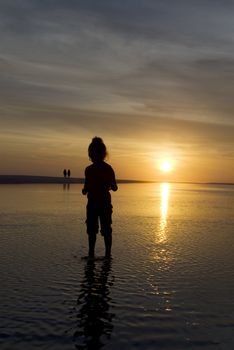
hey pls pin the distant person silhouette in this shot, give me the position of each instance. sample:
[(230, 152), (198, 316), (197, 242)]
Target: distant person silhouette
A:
[(99, 180), (65, 173), (69, 173)]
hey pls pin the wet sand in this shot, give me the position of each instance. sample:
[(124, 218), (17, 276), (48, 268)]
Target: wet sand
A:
[(168, 285)]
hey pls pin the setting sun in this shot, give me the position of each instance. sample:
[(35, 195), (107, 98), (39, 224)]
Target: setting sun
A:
[(165, 166)]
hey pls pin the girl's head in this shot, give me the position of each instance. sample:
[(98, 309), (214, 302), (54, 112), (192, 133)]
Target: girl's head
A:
[(97, 150)]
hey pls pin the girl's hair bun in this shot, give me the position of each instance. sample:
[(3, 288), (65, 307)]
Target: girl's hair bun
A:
[(97, 150), (97, 140)]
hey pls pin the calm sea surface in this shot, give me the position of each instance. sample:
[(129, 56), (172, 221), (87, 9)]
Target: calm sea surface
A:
[(169, 285)]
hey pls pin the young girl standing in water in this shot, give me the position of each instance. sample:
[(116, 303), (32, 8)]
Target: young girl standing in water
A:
[(99, 180)]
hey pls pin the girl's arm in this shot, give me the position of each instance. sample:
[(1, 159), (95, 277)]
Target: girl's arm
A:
[(85, 189), (114, 186)]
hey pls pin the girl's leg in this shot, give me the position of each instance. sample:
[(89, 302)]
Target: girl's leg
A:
[(108, 244), (92, 227), (92, 241), (106, 229)]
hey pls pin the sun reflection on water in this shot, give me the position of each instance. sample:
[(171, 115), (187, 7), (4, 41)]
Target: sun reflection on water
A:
[(162, 237), (162, 256)]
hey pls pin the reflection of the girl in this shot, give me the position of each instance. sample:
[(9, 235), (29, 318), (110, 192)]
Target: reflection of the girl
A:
[(94, 319)]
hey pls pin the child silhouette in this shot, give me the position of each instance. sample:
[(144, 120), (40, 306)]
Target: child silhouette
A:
[(99, 180)]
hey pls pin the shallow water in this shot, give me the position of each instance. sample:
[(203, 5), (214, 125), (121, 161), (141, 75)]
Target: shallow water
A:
[(169, 285)]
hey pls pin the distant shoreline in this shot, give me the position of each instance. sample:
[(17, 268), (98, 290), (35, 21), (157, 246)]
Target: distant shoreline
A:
[(32, 179)]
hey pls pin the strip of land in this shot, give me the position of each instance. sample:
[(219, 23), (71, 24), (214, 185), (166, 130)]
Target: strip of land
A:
[(30, 179)]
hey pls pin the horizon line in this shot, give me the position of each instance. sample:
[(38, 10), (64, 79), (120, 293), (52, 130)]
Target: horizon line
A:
[(37, 179)]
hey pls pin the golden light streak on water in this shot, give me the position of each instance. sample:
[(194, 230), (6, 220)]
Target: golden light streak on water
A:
[(162, 236), (161, 254)]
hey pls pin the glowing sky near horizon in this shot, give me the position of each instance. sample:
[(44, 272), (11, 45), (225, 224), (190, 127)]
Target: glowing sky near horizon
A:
[(154, 79)]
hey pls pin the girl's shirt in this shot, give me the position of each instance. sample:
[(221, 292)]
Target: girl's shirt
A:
[(99, 180)]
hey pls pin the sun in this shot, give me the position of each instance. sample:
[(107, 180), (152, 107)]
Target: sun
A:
[(166, 165)]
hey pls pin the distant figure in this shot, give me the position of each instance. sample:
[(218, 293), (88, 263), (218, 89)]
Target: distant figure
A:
[(69, 173), (99, 180), (65, 173)]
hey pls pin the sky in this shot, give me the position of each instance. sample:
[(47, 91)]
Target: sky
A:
[(154, 79)]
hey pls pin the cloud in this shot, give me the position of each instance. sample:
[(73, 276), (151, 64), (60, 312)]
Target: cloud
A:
[(159, 72), (139, 128)]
